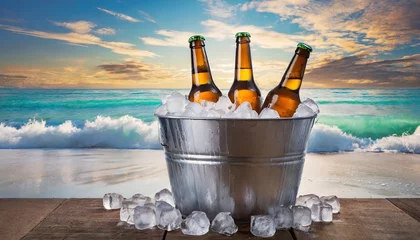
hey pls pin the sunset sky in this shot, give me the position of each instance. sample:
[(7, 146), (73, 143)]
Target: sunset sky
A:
[(143, 44)]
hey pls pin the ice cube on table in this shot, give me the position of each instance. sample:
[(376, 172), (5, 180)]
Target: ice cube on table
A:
[(263, 226), (195, 224), (161, 110), (224, 104), (224, 224), (307, 200), (333, 201), (316, 212), (112, 201), (170, 220), (144, 217), (165, 195), (269, 113), (302, 228), (193, 109), (162, 206), (126, 215), (140, 199), (175, 103), (303, 111), (326, 212), (150, 205), (283, 218), (311, 104), (301, 216)]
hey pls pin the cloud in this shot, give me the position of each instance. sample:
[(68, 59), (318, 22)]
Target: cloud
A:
[(220, 8), (105, 31), (171, 38), (78, 27), (83, 39), (385, 23), (130, 73), (353, 71), (146, 16), (120, 15)]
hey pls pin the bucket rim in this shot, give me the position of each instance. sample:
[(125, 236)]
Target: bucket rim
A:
[(234, 119)]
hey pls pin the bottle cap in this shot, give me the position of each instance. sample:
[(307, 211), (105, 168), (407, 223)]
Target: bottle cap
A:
[(242, 34), (195, 38), (305, 47)]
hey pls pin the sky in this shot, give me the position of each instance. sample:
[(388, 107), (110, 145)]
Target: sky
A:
[(144, 44)]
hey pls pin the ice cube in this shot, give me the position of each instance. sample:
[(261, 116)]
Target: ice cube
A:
[(224, 104), (312, 104), (144, 217), (175, 103), (303, 111), (213, 114), (263, 226), (160, 207), (170, 219), (269, 113), (333, 201), (301, 216), (307, 200), (283, 218), (161, 110), (164, 98), (326, 212), (193, 109), (126, 215), (150, 205), (224, 224), (195, 224), (230, 115), (316, 212), (112, 201), (140, 199), (165, 195), (207, 105), (245, 111), (129, 203)]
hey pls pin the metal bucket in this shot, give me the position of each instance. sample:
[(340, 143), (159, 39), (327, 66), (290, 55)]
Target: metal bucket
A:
[(242, 166)]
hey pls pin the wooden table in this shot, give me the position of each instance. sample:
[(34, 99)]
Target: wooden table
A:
[(86, 219)]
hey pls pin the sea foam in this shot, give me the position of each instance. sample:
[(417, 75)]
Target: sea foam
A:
[(133, 133)]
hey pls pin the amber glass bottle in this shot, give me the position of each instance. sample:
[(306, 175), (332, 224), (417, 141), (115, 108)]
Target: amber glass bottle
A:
[(203, 87), (285, 97), (243, 87)]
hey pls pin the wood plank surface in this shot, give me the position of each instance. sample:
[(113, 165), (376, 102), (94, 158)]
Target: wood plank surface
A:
[(20, 216), (365, 219), (243, 233), (87, 219), (411, 206)]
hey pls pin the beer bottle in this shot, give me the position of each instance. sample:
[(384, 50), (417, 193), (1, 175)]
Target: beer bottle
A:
[(203, 87), (244, 88), (285, 97)]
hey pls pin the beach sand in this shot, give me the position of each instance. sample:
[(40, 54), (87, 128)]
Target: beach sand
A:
[(77, 173)]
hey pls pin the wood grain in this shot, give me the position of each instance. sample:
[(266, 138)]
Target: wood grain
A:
[(87, 219), (19, 216), (411, 206), (243, 233), (365, 219)]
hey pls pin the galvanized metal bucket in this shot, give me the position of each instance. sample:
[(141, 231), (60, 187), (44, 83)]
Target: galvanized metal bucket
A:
[(242, 166)]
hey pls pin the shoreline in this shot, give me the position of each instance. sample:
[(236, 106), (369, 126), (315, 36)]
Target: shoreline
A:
[(89, 173)]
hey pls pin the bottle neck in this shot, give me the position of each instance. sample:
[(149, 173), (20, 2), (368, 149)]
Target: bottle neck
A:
[(243, 64), (292, 78), (201, 74)]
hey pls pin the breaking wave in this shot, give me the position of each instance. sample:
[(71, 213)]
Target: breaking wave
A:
[(132, 133)]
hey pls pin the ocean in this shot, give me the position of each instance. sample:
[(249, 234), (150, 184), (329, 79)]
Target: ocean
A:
[(374, 120)]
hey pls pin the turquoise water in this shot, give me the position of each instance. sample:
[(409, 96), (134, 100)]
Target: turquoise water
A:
[(371, 114)]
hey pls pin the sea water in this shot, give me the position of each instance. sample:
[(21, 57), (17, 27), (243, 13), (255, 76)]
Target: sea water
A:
[(350, 119)]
